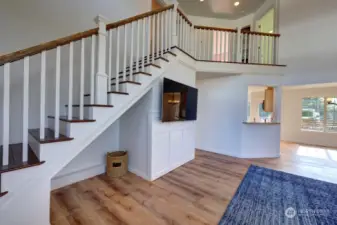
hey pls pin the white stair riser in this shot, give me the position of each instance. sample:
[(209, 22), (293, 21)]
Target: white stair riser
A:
[(64, 126), (117, 99), (87, 112), (126, 87)]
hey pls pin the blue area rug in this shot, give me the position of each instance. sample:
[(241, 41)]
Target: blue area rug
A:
[(269, 197)]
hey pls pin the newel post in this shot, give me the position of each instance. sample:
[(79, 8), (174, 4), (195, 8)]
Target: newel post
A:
[(101, 80), (238, 45), (174, 24)]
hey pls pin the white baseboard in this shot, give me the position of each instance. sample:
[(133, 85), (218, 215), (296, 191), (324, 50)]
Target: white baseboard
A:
[(139, 173), (76, 176)]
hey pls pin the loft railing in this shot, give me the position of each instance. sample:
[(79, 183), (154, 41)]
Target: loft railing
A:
[(226, 45), (94, 62)]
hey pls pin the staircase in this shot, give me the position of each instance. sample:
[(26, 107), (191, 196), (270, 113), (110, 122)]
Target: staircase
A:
[(86, 81)]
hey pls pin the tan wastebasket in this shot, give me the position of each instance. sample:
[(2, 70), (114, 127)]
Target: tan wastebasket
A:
[(117, 164)]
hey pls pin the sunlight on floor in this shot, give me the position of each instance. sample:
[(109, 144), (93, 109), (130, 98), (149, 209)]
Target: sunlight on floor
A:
[(318, 153)]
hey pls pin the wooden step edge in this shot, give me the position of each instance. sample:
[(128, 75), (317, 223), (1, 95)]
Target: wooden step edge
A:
[(169, 52), (74, 120), (3, 193), (118, 92), (140, 67), (93, 105), (24, 165), (35, 133), (127, 75), (129, 82)]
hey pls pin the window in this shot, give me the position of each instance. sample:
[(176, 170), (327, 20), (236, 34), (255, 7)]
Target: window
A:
[(264, 116), (319, 114)]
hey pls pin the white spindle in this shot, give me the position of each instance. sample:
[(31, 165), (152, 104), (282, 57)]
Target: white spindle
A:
[(222, 55), (42, 94), (117, 59), (225, 46), (170, 27), (82, 80), (181, 31), (148, 39), (138, 45), (162, 34), (57, 92), (250, 49), (260, 49), (92, 66), (166, 30), (143, 44), (268, 50), (131, 55), (276, 50), (6, 119), (158, 35), (25, 109), (196, 41), (153, 37), (125, 51), (110, 60), (70, 80)]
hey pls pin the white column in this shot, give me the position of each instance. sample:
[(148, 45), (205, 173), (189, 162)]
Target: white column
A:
[(101, 89)]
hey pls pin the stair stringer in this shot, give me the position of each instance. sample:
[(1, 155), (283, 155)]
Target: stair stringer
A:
[(29, 189)]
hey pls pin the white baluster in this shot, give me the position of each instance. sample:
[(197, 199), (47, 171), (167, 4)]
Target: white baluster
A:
[(238, 46), (196, 43), (181, 32), (209, 44), (162, 34), (6, 118), (57, 92), (109, 60), (42, 95), (153, 37), (143, 44), (25, 109), (268, 49), (125, 51), (82, 80), (70, 80), (225, 46), (117, 59), (250, 50), (221, 46), (276, 50), (92, 66), (166, 30), (158, 35), (131, 55), (170, 27), (148, 39), (138, 45)]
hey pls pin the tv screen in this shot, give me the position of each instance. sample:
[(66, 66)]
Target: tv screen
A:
[(179, 101)]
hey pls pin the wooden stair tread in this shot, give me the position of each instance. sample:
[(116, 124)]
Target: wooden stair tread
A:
[(73, 119), (134, 74), (118, 92), (146, 65), (49, 136), (93, 105), (111, 92), (3, 194), (15, 159), (128, 81)]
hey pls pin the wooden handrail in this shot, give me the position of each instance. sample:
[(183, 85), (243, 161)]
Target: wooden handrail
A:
[(185, 17), (261, 33), (215, 28), (138, 17), (15, 56)]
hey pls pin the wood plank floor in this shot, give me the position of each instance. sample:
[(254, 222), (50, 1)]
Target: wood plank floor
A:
[(196, 193)]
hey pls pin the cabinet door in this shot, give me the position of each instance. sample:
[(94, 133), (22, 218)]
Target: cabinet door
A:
[(176, 148), (160, 153)]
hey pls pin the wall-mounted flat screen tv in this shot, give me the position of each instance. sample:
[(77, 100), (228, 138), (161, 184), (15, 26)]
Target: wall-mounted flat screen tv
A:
[(179, 101)]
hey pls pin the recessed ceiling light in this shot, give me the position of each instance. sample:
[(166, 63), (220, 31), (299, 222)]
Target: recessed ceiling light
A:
[(201, 0), (237, 3)]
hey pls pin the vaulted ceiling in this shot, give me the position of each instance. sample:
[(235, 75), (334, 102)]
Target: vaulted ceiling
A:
[(220, 8)]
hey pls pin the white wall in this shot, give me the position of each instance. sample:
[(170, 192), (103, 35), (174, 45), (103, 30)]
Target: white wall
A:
[(222, 108), (134, 135), (92, 160), (292, 114), (27, 23), (308, 44)]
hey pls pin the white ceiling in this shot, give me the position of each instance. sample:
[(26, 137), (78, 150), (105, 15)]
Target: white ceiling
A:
[(220, 8)]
